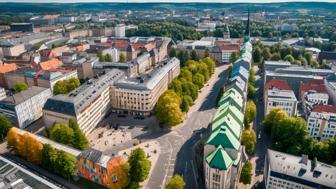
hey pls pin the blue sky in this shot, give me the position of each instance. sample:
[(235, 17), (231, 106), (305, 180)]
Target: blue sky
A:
[(217, 1)]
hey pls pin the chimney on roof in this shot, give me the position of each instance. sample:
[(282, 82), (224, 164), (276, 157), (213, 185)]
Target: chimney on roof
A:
[(314, 163)]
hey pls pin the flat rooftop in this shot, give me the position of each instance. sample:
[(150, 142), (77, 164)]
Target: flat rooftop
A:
[(302, 169), (275, 93), (15, 176), (79, 99), (20, 97)]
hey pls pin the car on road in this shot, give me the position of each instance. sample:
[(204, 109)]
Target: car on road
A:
[(259, 136)]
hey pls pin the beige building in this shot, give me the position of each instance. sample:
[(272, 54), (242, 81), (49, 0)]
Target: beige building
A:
[(138, 96), (87, 104)]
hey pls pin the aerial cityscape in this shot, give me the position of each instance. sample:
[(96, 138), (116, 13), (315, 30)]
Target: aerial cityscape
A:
[(167, 95)]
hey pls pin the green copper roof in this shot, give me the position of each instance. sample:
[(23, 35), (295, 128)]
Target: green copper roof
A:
[(230, 124), (232, 97), (223, 137), (219, 159), (225, 110)]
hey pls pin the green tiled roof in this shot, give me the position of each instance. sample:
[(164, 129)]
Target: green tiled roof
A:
[(232, 97), (223, 137), (230, 124), (225, 110), (219, 159)]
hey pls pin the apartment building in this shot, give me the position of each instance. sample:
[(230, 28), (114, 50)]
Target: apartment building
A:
[(313, 93), (139, 95), (87, 104), (25, 107), (4, 69), (277, 93), (287, 171), (322, 122), (119, 30)]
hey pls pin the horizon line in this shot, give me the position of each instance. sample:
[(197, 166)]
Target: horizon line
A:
[(170, 1)]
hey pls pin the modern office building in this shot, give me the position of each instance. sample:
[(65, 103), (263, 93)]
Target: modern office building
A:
[(87, 104), (139, 95), (278, 94), (287, 171), (322, 122), (25, 107)]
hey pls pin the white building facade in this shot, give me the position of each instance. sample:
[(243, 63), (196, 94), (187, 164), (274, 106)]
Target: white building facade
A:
[(322, 122)]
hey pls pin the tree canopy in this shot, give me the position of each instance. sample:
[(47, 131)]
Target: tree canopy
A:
[(176, 182), (250, 113), (20, 86), (139, 166), (66, 86), (249, 140), (246, 173)]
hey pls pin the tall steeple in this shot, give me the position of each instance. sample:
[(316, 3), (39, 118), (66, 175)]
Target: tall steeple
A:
[(247, 29)]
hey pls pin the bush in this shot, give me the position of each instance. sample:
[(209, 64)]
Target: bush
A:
[(65, 86), (20, 86)]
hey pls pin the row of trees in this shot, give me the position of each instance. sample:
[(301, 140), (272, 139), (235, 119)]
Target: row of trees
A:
[(251, 90), (27, 147), (108, 57), (69, 134), (248, 135), (183, 91), (290, 135), (66, 86), (169, 29), (277, 52), (176, 182)]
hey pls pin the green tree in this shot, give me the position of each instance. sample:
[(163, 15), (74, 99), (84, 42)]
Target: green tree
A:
[(246, 174), (249, 140), (187, 101), (206, 53), (257, 55), (5, 125), (276, 56), (185, 74), (194, 55), (139, 166), (252, 76), (210, 63), (108, 58), (309, 57), (172, 52), (79, 139), (61, 133), (20, 86), (251, 91), (272, 118), (289, 58), (314, 64), (176, 85), (176, 182), (168, 108), (190, 89), (250, 113), (66, 86), (234, 57), (198, 79), (267, 53), (101, 56), (122, 57)]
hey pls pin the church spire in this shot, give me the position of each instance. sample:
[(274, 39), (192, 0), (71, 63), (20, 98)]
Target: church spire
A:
[(247, 29)]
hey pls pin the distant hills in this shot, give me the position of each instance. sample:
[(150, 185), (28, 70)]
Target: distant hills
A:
[(15, 8)]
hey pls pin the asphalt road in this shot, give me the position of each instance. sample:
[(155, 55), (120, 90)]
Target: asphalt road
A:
[(263, 140), (176, 146)]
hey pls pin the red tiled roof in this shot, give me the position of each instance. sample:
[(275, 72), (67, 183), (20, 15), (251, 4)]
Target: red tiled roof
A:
[(121, 45), (230, 48), (280, 84), (5, 68), (50, 64), (313, 85), (325, 108)]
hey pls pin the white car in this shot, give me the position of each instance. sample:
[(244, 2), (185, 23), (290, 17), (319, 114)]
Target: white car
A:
[(259, 135)]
